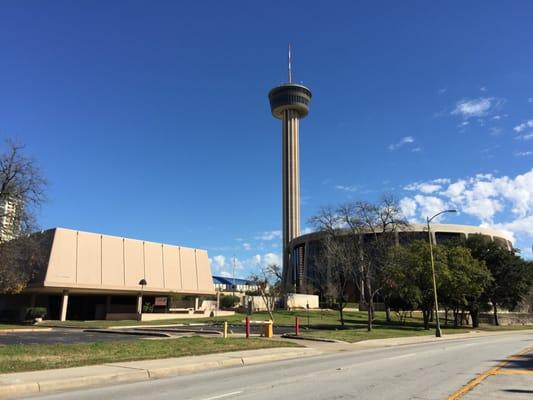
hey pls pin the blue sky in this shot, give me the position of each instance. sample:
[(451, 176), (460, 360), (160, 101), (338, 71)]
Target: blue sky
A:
[(151, 119)]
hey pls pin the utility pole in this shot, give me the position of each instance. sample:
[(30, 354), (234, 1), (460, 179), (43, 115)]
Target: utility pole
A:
[(233, 286)]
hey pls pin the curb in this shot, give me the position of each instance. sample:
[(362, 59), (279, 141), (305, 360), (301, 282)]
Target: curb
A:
[(313, 339), (128, 372), (22, 330), (180, 330), (125, 332)]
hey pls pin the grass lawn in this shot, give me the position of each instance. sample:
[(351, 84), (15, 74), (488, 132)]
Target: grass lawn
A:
[(18, 358), (15, 326), (325, 322), (378, 332)]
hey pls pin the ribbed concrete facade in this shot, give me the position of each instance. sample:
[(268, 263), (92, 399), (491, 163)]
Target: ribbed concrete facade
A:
[(85, 262), (291, 180)]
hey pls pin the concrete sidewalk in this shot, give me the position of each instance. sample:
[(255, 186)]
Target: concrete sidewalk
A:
[(21, 384)]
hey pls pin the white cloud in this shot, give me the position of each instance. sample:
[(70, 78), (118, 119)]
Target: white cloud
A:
[(270, 235), (220, 261), (524, 125), (504, 203), (523, 153), (469, 108), (429, 205), (271, 258), (405, 140), (416, 149), (527, 136), (225, 274), (442, 91), (350, 189), (246, 246), (530, 100), (427, 187), (483, 89), (307, 230), (408, 207)]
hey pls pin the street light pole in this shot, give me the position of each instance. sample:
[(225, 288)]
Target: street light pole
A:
[(438, 332)]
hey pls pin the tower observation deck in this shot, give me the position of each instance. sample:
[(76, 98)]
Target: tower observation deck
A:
[(289, 103)]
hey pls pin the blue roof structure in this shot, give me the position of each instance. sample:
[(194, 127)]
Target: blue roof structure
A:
[(222, 280)]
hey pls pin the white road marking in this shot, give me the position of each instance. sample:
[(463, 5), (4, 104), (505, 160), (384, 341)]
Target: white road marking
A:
[(402, 356), (221, 396)]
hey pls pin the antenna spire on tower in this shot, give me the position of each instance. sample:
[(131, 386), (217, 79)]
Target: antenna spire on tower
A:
[(290, 73)]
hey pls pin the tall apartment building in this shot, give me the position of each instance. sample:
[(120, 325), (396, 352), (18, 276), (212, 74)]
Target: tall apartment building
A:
[(10, 210)]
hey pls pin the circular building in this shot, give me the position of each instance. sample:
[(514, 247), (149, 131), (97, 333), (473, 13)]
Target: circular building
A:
[(305, 249)]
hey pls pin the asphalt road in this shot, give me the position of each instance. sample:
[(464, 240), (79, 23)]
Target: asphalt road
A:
[(61, 336), (424, 371)]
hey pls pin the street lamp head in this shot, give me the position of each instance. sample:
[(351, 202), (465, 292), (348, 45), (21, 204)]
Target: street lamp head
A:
[(439, 213), (142, 282)]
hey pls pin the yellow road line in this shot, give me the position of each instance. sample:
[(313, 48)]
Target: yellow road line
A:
[(515, 372), (493, 371)]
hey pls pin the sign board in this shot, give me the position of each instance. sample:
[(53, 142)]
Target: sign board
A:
[(161, 301)]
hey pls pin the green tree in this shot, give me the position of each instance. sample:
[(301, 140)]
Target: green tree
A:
[(465, 283), (414, 277), (512, 277)]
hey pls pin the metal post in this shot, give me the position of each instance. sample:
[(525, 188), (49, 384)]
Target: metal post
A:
[(438, 332), (297, 326), (225, 329), (247, 327), (218, 303)]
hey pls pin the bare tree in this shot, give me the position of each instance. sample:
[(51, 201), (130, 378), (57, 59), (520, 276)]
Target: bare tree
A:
[(268, 282), (21, 194), (335, 262), (21, 186), (374, 227), (359, 236)]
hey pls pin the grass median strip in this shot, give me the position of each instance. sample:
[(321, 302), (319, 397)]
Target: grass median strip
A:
[(378, 332), (19, 358)]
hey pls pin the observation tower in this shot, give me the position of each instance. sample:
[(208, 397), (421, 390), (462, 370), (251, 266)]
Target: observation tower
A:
[(289, 103)]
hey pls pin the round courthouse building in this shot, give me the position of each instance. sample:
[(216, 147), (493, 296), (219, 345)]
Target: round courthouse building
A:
[(305, 249)]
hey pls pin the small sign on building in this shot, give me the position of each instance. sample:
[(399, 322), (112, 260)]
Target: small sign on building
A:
[(161, 301)]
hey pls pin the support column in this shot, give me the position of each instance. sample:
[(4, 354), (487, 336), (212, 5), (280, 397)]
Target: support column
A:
[(139, 305), (64, 306), (108, 305), (196, 301)]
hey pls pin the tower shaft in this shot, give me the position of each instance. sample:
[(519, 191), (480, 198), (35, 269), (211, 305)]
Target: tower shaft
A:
[(291, 182)]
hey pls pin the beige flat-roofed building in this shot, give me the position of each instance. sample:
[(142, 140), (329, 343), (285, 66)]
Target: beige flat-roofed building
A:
[(83, 261), (87, 275)]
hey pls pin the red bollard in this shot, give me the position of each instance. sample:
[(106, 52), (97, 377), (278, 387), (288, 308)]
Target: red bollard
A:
[(247, 327), (297, 326)]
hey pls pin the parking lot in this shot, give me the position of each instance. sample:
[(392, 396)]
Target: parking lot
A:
[(62, 336)]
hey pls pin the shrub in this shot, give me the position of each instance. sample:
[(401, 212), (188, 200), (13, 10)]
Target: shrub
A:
[(35, 312), (229, 301)]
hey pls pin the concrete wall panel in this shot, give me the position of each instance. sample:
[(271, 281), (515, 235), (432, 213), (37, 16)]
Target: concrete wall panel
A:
[(112, 261), (62, 264), (188, 269), (171, 261), (153, 259), (89, 259), (134, 262), (205, 279), (82, 261)]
